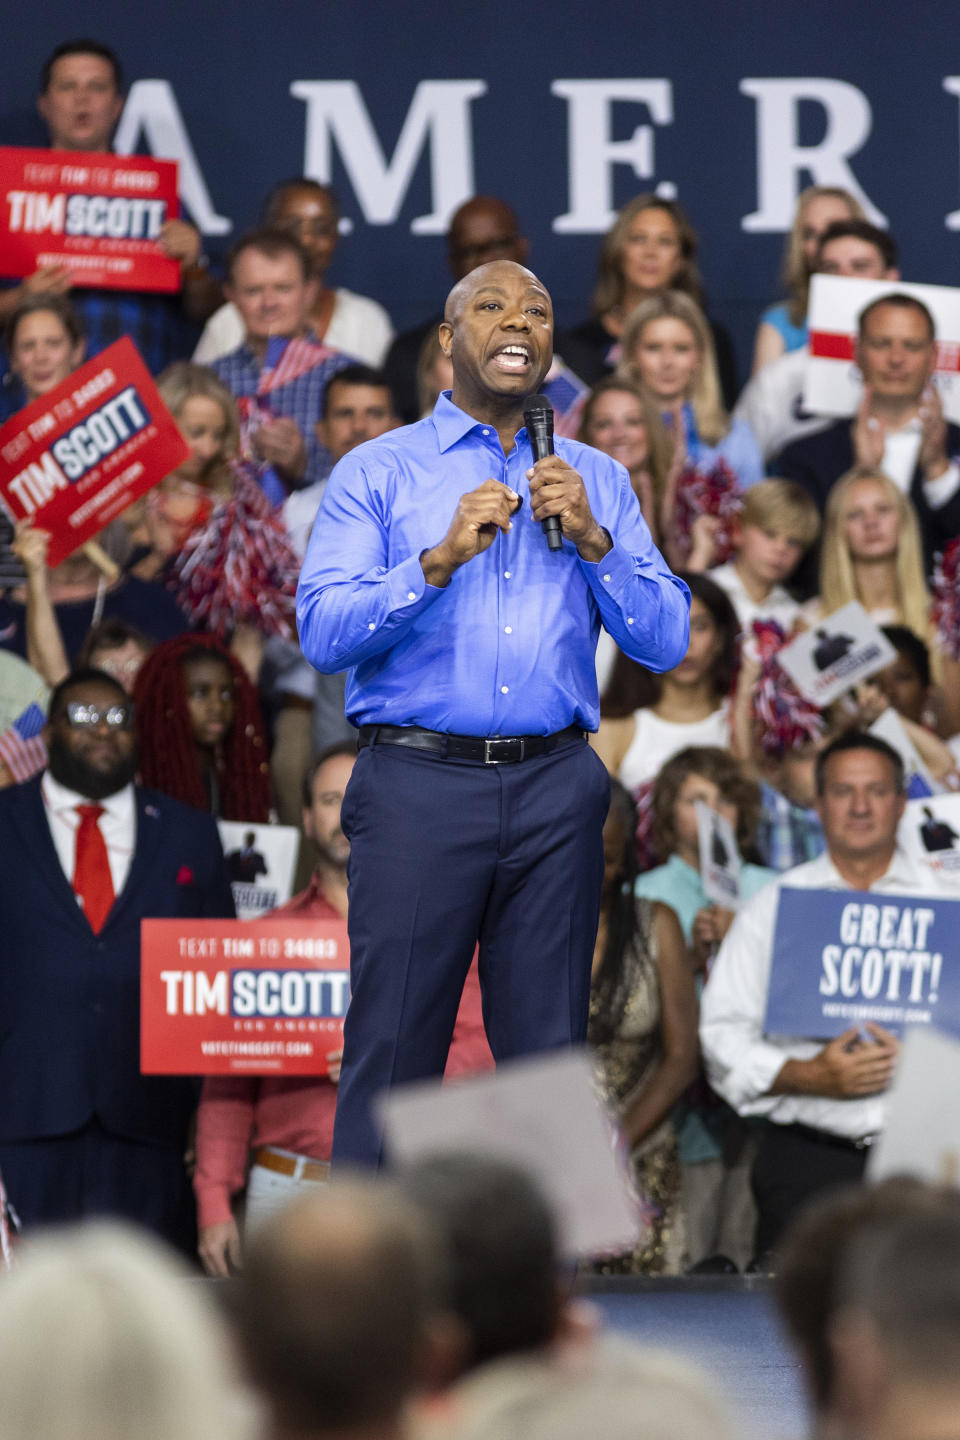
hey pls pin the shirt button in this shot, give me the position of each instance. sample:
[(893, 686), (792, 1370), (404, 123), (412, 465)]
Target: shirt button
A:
[(486, 432), (629, 619), (504, 689), (606, 577), (372, 625), (506, 574), (508, 629), (411, 595)]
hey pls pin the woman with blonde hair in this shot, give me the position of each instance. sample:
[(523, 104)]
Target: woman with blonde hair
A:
[(651, 246), (104, 1337), (871, 552), (668, 349), (783, 326), (621, 419)]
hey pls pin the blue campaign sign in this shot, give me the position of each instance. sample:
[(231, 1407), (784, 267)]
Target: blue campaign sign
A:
[(843, 957)]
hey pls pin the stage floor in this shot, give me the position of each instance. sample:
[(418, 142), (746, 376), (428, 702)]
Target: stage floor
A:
[(730, 1329)]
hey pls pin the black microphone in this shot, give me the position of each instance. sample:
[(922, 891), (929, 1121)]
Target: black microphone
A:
[(538, 418)]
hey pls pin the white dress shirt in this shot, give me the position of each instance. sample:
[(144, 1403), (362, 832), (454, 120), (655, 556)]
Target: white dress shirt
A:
[(741, 1061), (900, 455), (118, 826)]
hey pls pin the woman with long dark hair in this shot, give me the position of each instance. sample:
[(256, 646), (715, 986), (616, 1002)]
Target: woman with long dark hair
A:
[(643, 1031), (645, 718)]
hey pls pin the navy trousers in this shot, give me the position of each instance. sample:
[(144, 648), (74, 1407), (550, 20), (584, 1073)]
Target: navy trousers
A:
[(444, 854), (62, 1178)]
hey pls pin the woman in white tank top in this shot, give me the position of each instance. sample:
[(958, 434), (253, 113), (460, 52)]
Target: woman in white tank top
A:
[(646, 719)]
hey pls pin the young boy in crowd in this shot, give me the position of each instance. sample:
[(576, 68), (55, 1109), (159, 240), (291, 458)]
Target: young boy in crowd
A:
[(778, 524)]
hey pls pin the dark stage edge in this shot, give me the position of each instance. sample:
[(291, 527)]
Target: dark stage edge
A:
[(727, 1325)]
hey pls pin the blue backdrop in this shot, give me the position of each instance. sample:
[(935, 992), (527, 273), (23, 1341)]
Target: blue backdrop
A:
[(409, 107)]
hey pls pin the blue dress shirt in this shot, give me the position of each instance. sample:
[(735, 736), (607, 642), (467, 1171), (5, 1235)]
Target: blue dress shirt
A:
[(507, 648)]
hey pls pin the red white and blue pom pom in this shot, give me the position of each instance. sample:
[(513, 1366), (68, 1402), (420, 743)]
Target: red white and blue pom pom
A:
[(945, 609), (707, 491), (785, 719), (238, 568)]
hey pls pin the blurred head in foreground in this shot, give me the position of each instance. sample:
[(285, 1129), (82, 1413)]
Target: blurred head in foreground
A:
[(334, 1310), (103, 1337)]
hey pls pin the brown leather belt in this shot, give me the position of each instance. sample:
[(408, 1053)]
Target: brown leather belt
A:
[(292, 1165)]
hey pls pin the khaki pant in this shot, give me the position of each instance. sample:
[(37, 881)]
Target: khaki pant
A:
[(720, 1210)]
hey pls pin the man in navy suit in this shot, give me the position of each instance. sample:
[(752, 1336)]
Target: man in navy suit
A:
[(899, 429), (90, 855)]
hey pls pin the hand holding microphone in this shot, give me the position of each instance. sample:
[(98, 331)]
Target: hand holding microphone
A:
[(558, 499), (538, 418)]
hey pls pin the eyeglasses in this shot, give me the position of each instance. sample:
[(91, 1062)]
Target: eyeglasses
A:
[(85, 717)]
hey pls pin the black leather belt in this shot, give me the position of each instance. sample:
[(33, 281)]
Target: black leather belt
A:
[(496, 750), (826, 1137)]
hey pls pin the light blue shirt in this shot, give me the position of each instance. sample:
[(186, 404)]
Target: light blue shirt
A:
[(678, 885), (738, 448), (794, 336), (507, 648)]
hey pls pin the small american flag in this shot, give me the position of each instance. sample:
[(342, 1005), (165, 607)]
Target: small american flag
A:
[(566, 393), (21, 746), (288, 359)]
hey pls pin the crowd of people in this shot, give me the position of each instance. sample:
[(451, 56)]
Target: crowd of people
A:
[(168, 653), (438, 1306)]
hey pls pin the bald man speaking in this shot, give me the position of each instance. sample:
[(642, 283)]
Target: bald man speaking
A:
[(476, 807)]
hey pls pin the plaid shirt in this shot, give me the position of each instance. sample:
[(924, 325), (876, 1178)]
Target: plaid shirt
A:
[(155, 323), (301, 399), (787, 835)]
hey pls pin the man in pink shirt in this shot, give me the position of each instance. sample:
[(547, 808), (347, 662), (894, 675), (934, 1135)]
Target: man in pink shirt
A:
[(283, 1128)]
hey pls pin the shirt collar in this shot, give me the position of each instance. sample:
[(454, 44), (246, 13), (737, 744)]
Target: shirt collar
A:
[(452, 424), (912, 427), (902, 870), (121, 806)]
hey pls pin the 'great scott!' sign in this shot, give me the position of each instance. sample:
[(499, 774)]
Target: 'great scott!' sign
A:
[(73, 459), (242, 997), (841, 958), (99, 215)]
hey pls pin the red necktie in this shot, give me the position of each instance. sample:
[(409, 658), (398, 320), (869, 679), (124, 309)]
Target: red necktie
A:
[(92, 880)]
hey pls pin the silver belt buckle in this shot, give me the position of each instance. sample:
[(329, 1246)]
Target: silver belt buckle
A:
[(491, 758)]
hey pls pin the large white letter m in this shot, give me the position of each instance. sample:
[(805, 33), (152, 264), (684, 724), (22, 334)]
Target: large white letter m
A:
[(440, 113)]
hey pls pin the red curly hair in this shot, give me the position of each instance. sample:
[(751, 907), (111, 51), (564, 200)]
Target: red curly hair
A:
[(168, 752)]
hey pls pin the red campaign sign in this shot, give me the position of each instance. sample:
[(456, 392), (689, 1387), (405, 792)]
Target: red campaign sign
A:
[(99, 215), (242, 997), (73, 459)]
